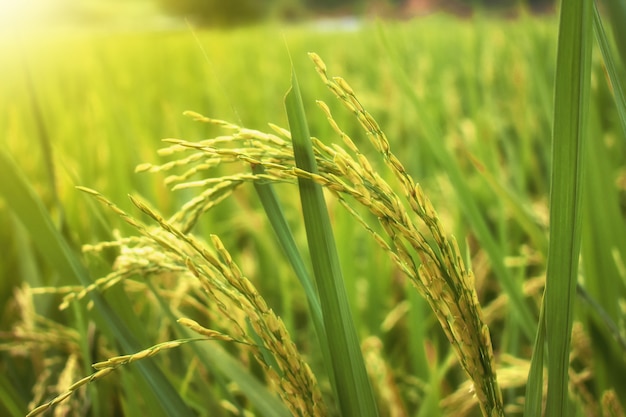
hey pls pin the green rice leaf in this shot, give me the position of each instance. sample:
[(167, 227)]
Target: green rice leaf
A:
[(277, 219), (616, 11), (611, 68), (275, 215), (353, 389), (570, 122), (27, 206)]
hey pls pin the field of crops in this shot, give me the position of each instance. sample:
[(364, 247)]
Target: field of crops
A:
[(467, 109)]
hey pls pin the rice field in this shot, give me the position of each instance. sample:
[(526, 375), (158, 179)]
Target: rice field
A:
[(197, 275)]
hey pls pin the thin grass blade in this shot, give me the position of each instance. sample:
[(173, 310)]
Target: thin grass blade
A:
[(533, 400), (354, 392), (275, 215), (616, 11), (611, 67)]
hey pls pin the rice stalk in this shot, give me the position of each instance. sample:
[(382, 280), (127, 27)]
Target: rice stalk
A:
[(439, 274)]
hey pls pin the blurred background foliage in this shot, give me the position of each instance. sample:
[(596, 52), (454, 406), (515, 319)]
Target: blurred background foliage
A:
[(215, 13), (246, 11)]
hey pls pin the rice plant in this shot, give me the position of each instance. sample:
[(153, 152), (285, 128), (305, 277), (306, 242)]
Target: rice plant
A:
[(234, 337), (438, 273)]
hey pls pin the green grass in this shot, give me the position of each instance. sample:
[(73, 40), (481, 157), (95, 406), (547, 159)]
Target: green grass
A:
[(467, 109)]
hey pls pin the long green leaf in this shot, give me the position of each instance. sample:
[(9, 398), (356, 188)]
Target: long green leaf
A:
[(23, 201), (617, 13), (611, 67), (354, 392), (277, 219), (570, 111)]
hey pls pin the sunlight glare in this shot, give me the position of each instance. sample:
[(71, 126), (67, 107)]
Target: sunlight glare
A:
[(25, 14)]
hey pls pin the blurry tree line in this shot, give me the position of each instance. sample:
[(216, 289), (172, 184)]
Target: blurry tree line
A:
[(232, 12)]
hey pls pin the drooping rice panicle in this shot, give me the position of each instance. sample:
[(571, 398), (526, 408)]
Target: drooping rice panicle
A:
[(168, 249), (238, 302), (105, 368), (461, 317), (439, 272), (440, 275), (442, 278)]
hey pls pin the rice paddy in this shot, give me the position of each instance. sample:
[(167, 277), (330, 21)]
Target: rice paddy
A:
[(204, 293)]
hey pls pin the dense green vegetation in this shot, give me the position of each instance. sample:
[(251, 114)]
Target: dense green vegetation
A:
[(467, 107)]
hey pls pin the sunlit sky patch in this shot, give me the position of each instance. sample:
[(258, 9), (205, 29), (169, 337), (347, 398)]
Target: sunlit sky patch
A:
[(25, 13), (19, 16)]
